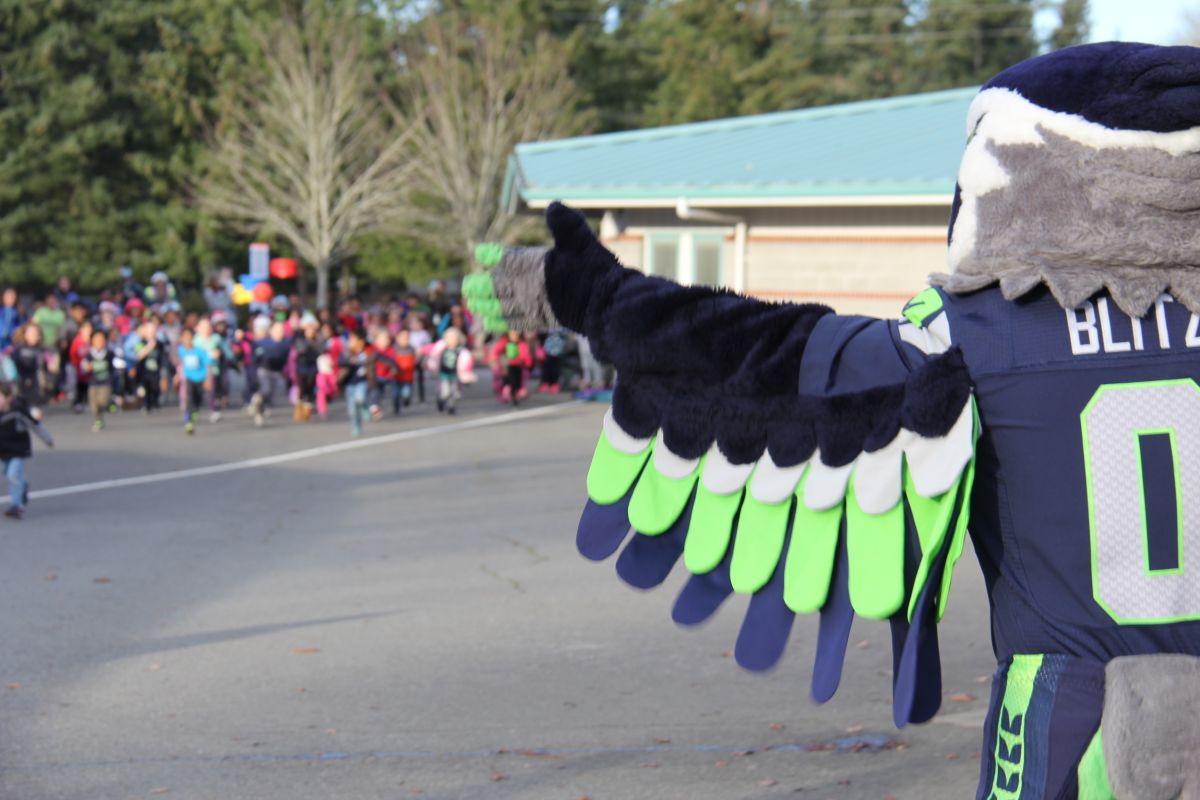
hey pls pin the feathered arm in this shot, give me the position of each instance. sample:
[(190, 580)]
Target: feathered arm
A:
[(814, 462)]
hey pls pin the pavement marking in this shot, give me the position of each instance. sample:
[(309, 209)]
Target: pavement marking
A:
[(297, 455)]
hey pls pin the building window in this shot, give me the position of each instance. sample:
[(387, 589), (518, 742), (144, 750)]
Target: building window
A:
[(707, 255), (664, 256)]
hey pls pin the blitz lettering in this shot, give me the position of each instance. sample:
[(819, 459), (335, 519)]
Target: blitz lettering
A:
[(1091, 330)]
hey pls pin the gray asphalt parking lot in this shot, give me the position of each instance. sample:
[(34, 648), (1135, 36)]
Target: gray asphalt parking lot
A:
[(407, 617)]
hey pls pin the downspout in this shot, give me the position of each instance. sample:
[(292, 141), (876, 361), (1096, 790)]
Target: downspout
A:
[(685, 212)]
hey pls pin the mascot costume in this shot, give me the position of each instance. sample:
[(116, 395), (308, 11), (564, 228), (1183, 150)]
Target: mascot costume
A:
[(1043, 394)]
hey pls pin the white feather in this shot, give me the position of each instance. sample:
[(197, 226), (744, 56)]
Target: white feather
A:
[(877, 476), (669, 464), (825, 486), (720, 476), (621, 441), (772, 483), (936, 463)]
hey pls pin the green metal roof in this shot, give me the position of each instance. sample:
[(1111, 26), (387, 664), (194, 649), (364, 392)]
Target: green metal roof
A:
[(906, 145)]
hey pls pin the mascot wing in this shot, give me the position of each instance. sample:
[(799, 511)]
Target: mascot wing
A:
[(815, 462)]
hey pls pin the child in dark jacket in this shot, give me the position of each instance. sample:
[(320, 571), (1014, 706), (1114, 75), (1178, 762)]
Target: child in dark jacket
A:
[(29, 357), (101, 374), (16, 421), (149, 358), (357, 379)]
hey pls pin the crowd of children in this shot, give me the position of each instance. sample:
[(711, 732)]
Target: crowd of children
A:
[(136, 349)]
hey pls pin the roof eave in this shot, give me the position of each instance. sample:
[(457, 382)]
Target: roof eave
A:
[(540, 200)]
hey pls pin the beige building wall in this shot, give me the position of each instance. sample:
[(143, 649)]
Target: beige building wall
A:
[(873, 276), (856, 260)]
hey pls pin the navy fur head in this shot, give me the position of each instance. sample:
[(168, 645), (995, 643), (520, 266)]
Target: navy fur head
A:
[(1122, 85)]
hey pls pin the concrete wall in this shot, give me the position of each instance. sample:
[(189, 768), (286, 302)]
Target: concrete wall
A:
[(857, 260)]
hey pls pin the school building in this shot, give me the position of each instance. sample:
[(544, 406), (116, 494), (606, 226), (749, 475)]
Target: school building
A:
[(845, 205)]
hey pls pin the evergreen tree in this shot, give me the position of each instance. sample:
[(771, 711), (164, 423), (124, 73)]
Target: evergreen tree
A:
[(101, 127), (960, 44), (707, 52), (79, 174), (860, 50), (1074, 24)]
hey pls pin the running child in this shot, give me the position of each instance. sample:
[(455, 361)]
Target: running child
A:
[(512, 359), (420, 340), (271, 355), (357, 378), (148, 359), (99, 367), (195, 374), (387, 374), (79, 350), (29, 357), (16, 421), (306, 350), (454, 365), (406, 367)]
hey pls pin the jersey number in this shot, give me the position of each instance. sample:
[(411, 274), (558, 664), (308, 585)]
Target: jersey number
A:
[(1124, 426)]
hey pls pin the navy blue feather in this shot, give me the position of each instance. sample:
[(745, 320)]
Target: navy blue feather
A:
[(647, 560), (768, 623)]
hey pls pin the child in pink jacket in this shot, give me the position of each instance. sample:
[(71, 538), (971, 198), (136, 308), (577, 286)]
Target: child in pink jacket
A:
[(452, 362)]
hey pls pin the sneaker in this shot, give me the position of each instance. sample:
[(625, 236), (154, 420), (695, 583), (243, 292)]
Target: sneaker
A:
[(97, 426), (452, 411), (376, 412), (258, 419), (14, 512), (190, 428), (214, 416)]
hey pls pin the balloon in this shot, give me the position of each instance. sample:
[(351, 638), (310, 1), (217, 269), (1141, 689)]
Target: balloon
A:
[(242, 295), (263, 292), (284, 268)]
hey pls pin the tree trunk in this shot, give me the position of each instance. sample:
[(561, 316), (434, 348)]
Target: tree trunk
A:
[(323, 285)]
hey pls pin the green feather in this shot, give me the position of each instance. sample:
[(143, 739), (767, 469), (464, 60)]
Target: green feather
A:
[(960, 537), (809, 566), (613, 472), (489, 253), (710, 530), (932, 516), (658, 500), (875, 552), (760, 533)]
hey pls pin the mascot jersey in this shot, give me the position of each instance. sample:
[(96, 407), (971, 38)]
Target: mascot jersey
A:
[(1044, 394)]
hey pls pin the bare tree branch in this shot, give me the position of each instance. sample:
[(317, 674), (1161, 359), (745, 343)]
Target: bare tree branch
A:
[(310, 150), (477, 86)]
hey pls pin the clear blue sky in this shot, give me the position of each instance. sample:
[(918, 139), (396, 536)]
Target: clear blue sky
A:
[(1153, 21)]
